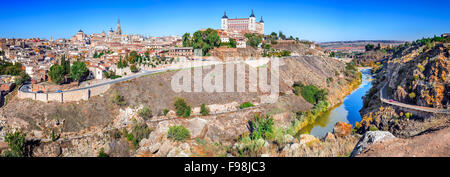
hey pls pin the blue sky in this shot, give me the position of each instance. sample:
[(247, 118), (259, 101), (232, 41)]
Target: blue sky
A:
[(317, 20)]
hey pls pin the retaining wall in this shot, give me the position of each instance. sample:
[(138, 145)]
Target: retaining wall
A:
[(68, 96)]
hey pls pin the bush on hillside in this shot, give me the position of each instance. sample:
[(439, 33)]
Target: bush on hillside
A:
[(118, 99), (246, 105), (16, 144), (182, 108), (310, 93), (145, 113), (204, 110), (262, 127), (178, 133)]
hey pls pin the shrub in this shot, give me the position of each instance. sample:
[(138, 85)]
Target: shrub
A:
[(138, 132), (102, 153), (118, 99), (246, 105), (262, 127), (329, 80), (372, 128), (182, 109), (16, 144), (178, 133), (408, 115), (204, 110), (310, 93), (54, 138), (412, 95), (145, 113), (133, 68), (165, 111), (249, 147)]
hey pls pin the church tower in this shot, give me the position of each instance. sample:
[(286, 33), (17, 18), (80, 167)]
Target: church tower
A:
[(119, 29), (252, 22), (225, 21)]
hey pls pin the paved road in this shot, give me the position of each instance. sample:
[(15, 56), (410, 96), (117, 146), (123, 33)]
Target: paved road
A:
[(384, 98), (26, 88)]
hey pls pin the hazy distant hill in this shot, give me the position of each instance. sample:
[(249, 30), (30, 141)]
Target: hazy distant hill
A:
[(356, 45)]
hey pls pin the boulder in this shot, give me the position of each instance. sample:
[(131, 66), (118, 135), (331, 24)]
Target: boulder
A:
[(164, 149), (330, 137), (342, 129), (196, 127), (371, 137), (291, 150), (307, 139)]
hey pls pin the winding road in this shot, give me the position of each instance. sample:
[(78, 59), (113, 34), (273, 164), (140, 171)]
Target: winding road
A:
[(385, 99), (27, 87)]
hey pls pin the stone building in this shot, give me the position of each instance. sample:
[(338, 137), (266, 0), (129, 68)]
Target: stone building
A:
[(180, 51), (243, 25)]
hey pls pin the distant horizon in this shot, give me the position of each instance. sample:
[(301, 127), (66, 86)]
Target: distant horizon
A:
[(322, 21)]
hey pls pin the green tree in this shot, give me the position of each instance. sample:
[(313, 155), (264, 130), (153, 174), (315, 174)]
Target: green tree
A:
[(78, 71), (253, 39), (232, 43), (187, 40), (132, 58), (204, 110), (57, 74), (23, 77), (133, 68), (65, 64), (16, 144), (281, 35), (205, 40), (182, 108)]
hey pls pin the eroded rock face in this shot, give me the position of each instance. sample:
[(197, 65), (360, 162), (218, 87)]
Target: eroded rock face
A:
[(371, 137), (342, 129)]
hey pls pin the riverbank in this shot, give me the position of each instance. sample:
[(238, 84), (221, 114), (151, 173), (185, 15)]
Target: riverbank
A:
[(347, 111)]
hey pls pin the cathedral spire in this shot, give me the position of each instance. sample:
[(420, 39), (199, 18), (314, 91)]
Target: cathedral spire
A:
[(119, 28)]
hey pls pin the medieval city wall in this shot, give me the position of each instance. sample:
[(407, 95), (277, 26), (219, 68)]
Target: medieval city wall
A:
[(69, 96), (99, 90), (55, 97), (25, 95)]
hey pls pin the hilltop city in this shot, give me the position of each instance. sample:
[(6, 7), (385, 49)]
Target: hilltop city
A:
[(113, 94)]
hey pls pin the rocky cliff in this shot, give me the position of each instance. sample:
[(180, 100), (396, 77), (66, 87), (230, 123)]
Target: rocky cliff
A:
[(416, 74)]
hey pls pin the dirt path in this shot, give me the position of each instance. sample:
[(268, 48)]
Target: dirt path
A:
[(432, 144)]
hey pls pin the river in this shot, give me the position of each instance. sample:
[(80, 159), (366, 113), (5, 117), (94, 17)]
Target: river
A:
[(347, 112)]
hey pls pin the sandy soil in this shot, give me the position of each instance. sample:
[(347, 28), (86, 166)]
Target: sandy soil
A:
[(432, 144)]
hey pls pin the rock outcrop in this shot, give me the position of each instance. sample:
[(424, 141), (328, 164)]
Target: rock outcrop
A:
[(342, 129), (371, 137)]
